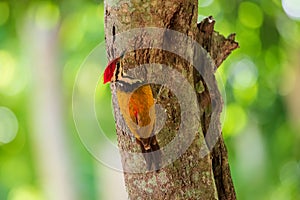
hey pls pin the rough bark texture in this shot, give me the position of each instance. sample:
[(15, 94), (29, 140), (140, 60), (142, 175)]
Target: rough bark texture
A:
[(219, 48), (191, 176)]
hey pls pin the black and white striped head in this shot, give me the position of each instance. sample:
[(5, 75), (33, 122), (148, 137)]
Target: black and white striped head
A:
[(113, 71)]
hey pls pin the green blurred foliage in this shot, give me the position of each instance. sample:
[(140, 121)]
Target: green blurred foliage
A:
[(262, 138)]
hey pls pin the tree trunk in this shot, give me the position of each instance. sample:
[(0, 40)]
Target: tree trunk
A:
[(200, 171)]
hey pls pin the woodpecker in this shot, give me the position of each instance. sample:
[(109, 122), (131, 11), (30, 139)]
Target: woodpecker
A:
[(137, 106)]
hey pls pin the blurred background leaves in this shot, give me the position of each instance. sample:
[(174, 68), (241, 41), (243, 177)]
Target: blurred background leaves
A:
[(261, 79)]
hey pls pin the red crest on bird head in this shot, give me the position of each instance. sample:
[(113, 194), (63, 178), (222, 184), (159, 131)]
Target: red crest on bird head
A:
[(109, 71)]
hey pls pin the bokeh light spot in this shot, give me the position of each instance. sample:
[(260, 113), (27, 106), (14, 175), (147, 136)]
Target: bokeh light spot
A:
[(12, 77), (288, 29), (205, 3), (4, 12), (246, 96), (243, 74), (250, 15), (8, 125), (291, 8), (47, 15), (7, 69), (235, 120), (25, 192)]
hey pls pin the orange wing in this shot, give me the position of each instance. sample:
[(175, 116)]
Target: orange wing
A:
[(138, 110)]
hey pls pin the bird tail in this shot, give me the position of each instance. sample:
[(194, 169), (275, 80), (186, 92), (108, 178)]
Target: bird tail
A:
[(151, 152)]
